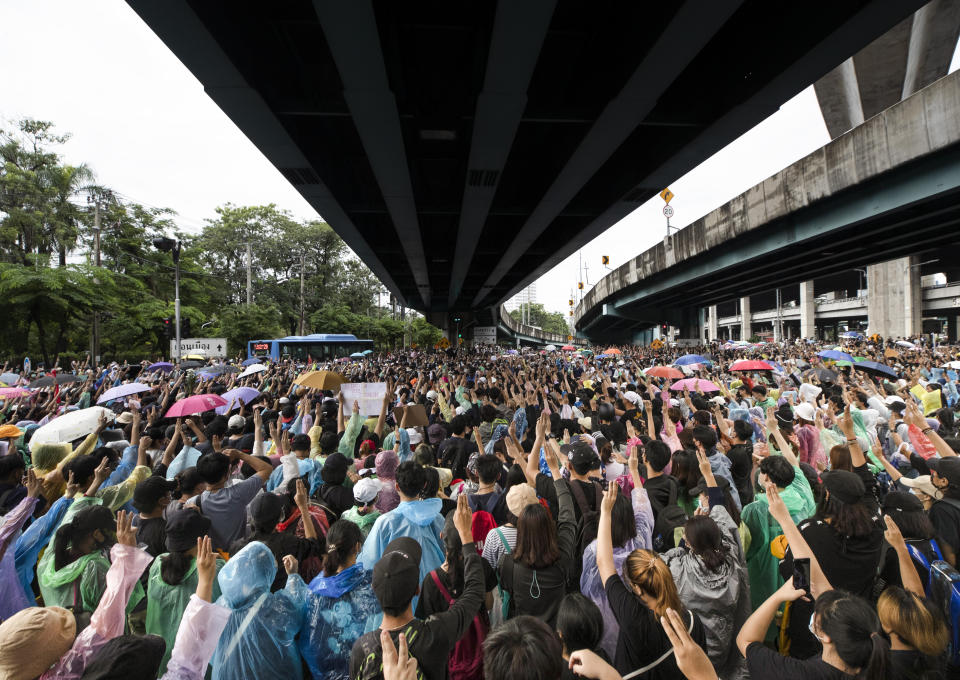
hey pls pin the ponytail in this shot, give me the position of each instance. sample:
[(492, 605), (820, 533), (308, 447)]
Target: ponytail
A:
[(876, 666), (342, 539), (645, 570), (705, 540), (83, 524), (855, 630), (173, 567), (61, 546)]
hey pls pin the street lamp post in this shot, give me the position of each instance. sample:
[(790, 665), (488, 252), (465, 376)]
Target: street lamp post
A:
[(173, 247)]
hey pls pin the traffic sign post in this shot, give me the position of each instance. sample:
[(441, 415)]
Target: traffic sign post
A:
[(209, 348)]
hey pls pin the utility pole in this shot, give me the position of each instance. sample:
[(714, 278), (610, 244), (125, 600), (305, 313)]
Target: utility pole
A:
[(302, 260), (95, 334), (249, 275)]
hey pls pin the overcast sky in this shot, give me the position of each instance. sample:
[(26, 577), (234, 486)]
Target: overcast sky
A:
[(144, 125)]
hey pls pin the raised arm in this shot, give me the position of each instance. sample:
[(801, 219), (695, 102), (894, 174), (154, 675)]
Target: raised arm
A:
[(605, 564), (782, 444)]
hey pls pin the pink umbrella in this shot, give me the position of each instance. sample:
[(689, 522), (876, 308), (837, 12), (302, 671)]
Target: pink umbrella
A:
[(198, 403), (13, 392), (691, 385)]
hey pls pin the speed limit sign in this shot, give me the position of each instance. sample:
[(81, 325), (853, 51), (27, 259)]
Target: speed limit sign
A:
[(667, 211)]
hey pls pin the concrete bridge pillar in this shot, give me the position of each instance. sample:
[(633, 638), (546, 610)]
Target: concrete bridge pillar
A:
[(894, 298), (808, 311), (746, 320), (712, 323)]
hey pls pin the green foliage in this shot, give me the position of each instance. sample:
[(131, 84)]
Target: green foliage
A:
[(50, 288), (551, 322)]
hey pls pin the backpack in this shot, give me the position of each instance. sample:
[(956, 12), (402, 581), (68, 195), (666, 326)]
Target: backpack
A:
[(668, 519), (504, 613), (483, 522), (945, 591), (466, 657), (587, 528)]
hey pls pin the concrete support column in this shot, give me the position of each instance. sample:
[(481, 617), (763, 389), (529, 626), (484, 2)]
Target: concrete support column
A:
[(712, 333), (808, 311), (745, 318), (894, 298)]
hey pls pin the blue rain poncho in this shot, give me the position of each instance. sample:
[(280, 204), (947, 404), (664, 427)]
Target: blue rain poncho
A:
[(341, 609), (419, 520), (258, 641)]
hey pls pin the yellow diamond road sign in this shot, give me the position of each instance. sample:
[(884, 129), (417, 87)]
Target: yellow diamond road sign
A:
[(666, 195)]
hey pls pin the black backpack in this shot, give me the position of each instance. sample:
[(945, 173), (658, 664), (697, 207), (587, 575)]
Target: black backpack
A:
[(587, 528), (668, 519)]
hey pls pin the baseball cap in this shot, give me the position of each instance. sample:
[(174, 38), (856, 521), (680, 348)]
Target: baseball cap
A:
[(125, 418), (923, 484), (184, 527), (948, 468), (366, 490), (632, 397), (284, 401), (148, 493), (396, 575), (520, 496), (436, 434), (582, 458), (805, 410), (899, 501), (432, 395), (236, 422), (845, 486)]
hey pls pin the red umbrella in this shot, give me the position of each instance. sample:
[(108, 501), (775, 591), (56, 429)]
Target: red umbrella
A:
[(612, 350), (198, 403), (568, 348), (691, 385), (751, 365), (664, 372)]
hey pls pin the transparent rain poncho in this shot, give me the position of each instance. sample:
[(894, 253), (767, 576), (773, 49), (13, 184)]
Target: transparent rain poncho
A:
[(258, 641)]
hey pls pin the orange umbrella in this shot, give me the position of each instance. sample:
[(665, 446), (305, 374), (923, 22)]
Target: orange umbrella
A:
[(664, 372), (612, 350)]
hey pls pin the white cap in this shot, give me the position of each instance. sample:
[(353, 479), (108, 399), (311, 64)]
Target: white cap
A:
[(366, 490), (805, 410), (284, 400), (236, 422), (432, 395), (632, 397), (415, 436), (893, 399)]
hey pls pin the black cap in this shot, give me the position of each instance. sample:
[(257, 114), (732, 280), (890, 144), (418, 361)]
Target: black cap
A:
[(184, 527), (845, 486), (947, 468), (148, 493), (396, 576), (266, 509), (582, 457), (898, 501)]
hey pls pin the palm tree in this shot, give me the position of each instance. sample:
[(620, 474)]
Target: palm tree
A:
[(64, 217)]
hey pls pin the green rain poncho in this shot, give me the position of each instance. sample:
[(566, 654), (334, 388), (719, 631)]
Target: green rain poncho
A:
[(166, 603)]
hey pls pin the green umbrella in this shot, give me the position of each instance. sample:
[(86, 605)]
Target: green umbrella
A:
[(860, 359), (843, 363), (585, 351)]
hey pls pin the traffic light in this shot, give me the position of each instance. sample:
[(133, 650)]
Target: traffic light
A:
[(166, 327), (185, 327), (605, 259), (571, 303), (580, 285), (571, 312)]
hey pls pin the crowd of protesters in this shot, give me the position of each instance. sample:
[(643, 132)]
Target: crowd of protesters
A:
[(625, 513)]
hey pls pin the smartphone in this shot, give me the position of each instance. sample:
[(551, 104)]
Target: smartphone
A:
[(801, 573)]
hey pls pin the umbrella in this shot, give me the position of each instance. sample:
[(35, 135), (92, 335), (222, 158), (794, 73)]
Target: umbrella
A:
[(550, 348), (888, 353), (822, 374), (252, 361), (48, 380), (12, 392), (357, 355), (664, 372), (751, 365), (198, 403), (241, 395), (906, 344), (691, 384), (9, 378), (253, 370), (512, 351), (159, 366), (690, 359), (852, 335), (612, 350), (70, 426), (220, 369), (366, 352), (321, 380), (191, 364), (835, 355), (950, 364), (121, 391), (876, 369), (568, 348), (584, 351)]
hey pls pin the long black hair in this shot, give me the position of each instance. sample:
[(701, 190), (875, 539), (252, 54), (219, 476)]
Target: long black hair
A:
[(342, 539), (854, 628), (453, 548), (705, 540), (84, 523)]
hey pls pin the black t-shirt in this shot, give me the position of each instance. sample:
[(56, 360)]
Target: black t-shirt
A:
[(152, 535), (741, 465), (282, 543), (945, 517), (570, 675), (871, 498), (659, 489), (432, 600), (494, 502), (909, 664), (336, 497), (642, 640), (430, 641), (890, 569), (763, 662)]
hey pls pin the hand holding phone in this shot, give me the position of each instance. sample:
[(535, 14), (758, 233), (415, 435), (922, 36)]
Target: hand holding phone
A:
[(801, 574)]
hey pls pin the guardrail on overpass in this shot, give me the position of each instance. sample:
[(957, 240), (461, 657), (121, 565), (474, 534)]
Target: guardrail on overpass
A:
[(532, 334)]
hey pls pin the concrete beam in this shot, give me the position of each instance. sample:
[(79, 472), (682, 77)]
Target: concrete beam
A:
[(894, 303), (808, 311)]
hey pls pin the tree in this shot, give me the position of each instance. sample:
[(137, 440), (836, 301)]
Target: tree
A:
[(550, 322)]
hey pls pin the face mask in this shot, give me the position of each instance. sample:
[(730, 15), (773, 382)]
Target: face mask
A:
[(810, 627)]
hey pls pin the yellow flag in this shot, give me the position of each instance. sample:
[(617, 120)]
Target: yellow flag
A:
[(666, 195)]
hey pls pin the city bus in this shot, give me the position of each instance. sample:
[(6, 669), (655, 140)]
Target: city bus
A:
[(303, 348)]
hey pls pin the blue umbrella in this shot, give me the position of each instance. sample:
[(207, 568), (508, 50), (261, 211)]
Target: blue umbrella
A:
[(688, 359), (250, 362), (160, 366), (876, 368), (9, 378), (366, 352), (836, 355), (239, 395), (852, 334), (356, 355), (121, 391)]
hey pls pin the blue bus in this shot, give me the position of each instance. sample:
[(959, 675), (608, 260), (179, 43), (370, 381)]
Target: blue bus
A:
[(303, 348)]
